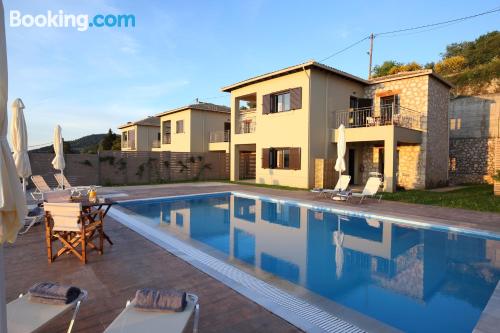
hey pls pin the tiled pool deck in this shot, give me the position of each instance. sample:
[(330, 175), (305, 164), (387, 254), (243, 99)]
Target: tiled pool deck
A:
[(134, 262)]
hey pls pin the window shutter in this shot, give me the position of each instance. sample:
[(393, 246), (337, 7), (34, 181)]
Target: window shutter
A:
[(296, 98), (265, 158), (266, 104), (295, 158)]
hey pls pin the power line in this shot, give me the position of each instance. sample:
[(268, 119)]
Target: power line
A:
[(439, 23), (394, 33), (346, 48)]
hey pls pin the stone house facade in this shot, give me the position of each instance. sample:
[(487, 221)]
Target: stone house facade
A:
[(474, 136)]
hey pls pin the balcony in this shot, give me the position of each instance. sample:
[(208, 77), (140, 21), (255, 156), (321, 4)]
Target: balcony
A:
[(245, 126), (167, 139), (219, 136), (394, 115), (128, 145)]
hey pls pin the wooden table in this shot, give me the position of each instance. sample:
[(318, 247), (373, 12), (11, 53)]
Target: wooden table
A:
[(86, 204)]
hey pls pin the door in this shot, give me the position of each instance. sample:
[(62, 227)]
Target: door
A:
[(247, 165), (351, 167)]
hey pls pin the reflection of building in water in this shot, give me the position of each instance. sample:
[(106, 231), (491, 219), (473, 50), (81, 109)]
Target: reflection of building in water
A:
[(297, 244), (270, 236)]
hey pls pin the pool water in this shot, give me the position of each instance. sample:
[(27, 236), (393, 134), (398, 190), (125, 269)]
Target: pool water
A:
[(415, 280)]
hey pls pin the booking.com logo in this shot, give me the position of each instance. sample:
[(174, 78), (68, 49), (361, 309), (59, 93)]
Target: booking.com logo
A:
[(82, 22)]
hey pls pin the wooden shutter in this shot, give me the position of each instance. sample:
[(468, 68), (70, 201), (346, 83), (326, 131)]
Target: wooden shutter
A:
[(295, 158), (296, 98), (265, 158), (266, 104)]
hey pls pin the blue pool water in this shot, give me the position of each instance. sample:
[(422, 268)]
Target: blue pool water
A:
[(416, 280)]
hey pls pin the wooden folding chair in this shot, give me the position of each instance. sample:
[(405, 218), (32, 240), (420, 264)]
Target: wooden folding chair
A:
[(65, 222)]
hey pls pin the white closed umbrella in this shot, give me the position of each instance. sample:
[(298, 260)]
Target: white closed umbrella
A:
[(12, 199), (19, 141), (341, 148), (58, 161), (338, 240)]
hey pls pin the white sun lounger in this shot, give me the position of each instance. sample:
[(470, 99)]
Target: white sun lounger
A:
[(371, 189), (61, 179), (24, 316), (41, 187), (133, 320), (341, 185)]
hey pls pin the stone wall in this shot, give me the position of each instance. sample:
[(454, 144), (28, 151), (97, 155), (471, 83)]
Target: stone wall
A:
[(436, 164), (474, 129), (472, 160), (408, 163), (129, 168)]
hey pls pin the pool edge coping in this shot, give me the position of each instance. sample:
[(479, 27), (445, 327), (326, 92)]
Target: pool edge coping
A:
[(487, 322), (265, 301)]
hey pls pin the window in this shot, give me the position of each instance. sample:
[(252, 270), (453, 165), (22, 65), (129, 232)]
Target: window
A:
[(179, 126), (281, 158), (166, 132), (453, 164), (455, 123), (158, 136), (280, 102)]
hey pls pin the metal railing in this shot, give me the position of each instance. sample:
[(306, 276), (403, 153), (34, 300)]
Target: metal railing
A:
[(156, 144), (396, 115), (219, 136), (167, 138), (245, 126)]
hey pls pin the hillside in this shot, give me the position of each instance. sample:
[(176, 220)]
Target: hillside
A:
[(473, 67), (84, 143)]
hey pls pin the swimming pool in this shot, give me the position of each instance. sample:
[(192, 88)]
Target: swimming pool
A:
[(409, 278)]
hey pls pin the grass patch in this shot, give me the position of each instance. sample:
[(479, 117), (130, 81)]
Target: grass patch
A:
[(276, 187), (473, 197)]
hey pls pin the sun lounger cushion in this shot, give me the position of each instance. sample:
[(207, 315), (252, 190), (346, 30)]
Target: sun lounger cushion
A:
[(52, 293), (149, 299)]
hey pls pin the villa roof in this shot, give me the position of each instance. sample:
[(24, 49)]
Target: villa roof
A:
[(149, 121), (315, 64), (293, 69), (202, 106), (410, 74)]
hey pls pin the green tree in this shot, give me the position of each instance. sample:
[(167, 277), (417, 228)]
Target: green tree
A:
[(385, 68), (117, 143), (107, 142)]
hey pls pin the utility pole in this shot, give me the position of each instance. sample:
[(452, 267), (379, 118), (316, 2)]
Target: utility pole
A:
[(372, 37)]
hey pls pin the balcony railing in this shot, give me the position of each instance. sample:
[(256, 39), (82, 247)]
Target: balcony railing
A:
[(379, 116), (128, 145), (167, 139), (245, 126), (219, 136), (156, 144)]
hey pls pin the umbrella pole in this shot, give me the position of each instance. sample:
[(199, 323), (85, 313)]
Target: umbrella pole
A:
[(24, 185), (3, 300), (62, 178)]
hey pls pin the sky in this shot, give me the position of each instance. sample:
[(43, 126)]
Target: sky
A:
[(178, 51)]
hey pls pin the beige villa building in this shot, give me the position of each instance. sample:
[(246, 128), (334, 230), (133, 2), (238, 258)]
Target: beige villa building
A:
[(141, 135), (196, 128), (396, 126)]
